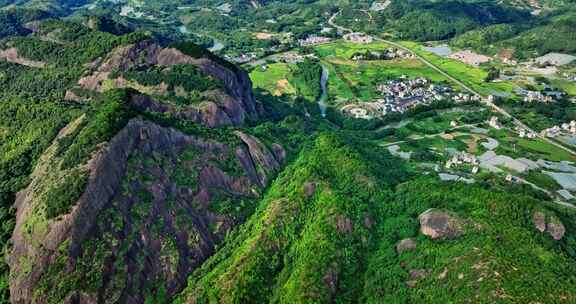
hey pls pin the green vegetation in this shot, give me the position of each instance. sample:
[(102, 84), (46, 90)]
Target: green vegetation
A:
[(61, 198), (557, 35), (483, 39), (186, 76), (306, 79), (314, 229), (541, 116), (474, 77), (105, 120), (542, 180), (533, 149), (326, 228), (274, 79)]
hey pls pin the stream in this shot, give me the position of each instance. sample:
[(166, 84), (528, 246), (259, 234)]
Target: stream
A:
[(324, 84)]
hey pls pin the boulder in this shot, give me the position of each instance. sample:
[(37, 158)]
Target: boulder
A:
[(309, 189), (539, 219), (344, 224), (550, 224), (555, 228), (438, 224), (405, 245), (417, 274)]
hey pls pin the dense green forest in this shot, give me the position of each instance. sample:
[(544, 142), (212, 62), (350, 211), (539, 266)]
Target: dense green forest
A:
[(342, 204), (485, 25)]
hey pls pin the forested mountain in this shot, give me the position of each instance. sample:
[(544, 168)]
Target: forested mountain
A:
[(423, 20), (137, 167)]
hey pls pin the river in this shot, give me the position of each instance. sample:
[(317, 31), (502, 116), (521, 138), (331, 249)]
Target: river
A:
[(324, 85), (217, 45)]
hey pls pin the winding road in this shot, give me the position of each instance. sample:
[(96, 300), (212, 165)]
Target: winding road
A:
[(458, 82)]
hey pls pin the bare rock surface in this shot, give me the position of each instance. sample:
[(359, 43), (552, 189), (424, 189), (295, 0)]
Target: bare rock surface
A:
[(232, 106), (119, 202), (549, 224), (405, 245), (261, 155), (438, 224), (11, 55)]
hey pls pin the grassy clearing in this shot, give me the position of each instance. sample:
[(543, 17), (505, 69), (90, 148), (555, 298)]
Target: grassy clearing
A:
[(345, 50), (552, 153), (274, 79), (338, 87)]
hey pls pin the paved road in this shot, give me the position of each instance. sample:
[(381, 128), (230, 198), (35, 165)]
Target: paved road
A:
[(458, 82)]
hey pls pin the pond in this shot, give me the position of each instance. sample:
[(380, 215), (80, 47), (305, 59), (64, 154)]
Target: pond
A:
[(440, 50)]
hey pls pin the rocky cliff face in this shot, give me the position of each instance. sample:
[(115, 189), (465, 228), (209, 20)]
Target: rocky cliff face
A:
[(156, 204), (232, 106)]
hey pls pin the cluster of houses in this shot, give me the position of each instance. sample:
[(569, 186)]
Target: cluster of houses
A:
[(547, 95), (293, 57), (523, 133), (463, 158), (242, 58), (556, 131), (464, 97), (401, 95), (313, 40), (359, 38), (495, 123), (388, 54)]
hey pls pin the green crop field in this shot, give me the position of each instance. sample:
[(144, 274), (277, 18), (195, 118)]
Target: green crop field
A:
[(274, 79), (358, 80), (533, 149), (471, 76), (566, 85), (345, 50)]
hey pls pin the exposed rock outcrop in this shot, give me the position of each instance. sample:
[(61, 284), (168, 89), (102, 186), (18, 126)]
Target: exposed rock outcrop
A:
[(439, 224), (539, 219), (405, 245), (230, 107), (550, 224), (148, 206), (209, 113), (266, 162), (309, 189), (11, 55)]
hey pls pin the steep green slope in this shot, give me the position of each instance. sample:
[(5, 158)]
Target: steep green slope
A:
[(556, 35), (310, 235), (327, 229)]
